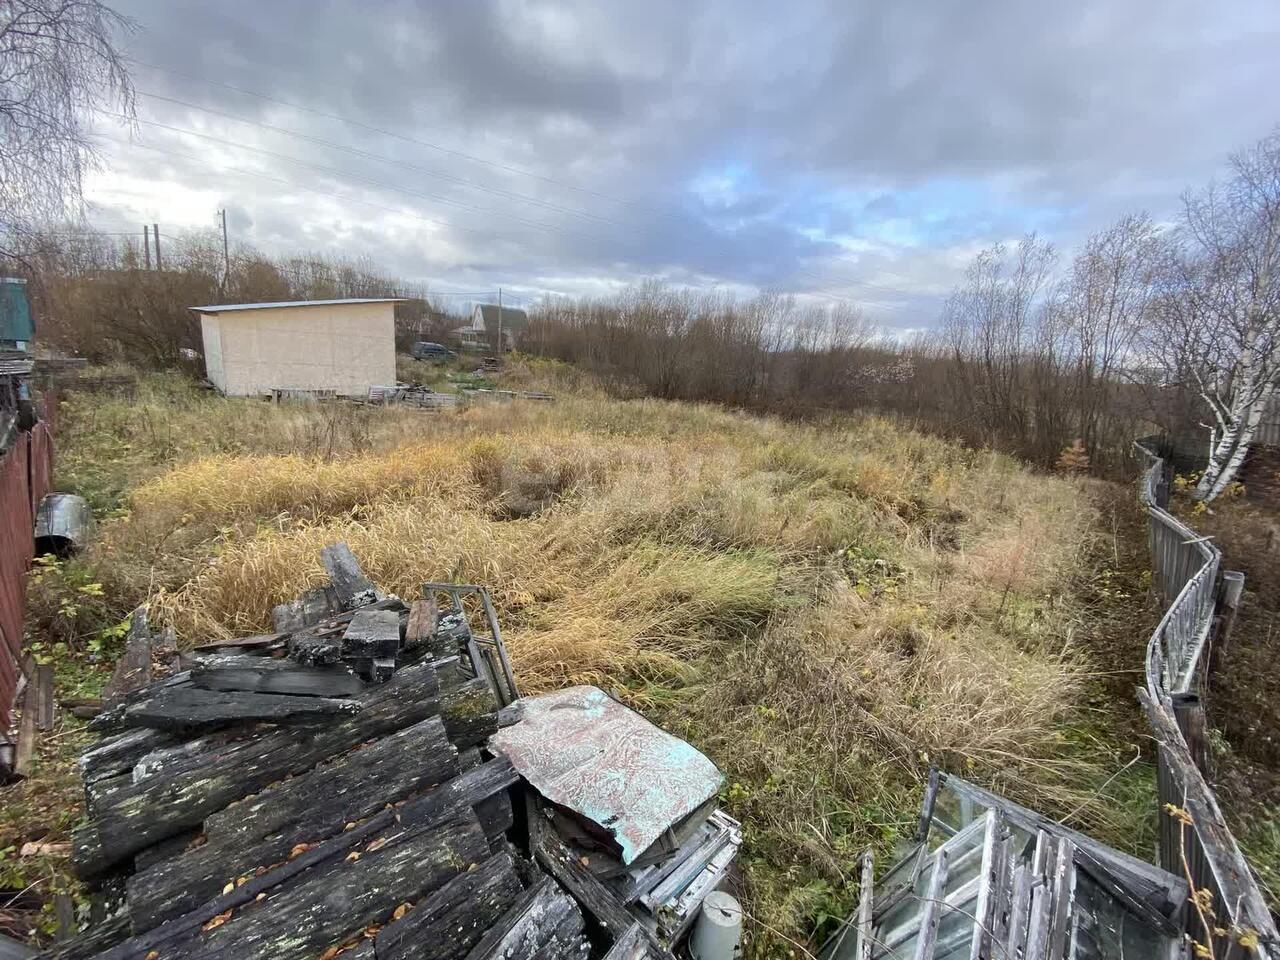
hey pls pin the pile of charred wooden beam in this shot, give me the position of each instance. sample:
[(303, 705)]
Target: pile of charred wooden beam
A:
[(339, 788), (315, 792)]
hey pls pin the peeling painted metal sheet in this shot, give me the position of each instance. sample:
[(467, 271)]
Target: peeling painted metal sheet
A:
[(604, 761)]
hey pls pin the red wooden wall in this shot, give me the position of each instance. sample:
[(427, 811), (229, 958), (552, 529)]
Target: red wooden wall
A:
[(26, 472)]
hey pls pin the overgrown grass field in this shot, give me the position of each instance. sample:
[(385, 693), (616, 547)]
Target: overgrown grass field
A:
[(824, 609)]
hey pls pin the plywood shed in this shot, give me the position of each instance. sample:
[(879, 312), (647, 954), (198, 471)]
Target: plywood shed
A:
[(322, 347)]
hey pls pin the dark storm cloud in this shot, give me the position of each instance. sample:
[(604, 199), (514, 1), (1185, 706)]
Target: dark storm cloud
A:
[(859, 149)]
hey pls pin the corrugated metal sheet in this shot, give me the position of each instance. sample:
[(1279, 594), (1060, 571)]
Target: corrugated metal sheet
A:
[(604, 761)]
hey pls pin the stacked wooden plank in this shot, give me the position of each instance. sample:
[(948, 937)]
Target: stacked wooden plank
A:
[(315, 792)]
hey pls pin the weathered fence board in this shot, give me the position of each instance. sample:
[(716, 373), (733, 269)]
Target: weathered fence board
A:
[(1194, 838)]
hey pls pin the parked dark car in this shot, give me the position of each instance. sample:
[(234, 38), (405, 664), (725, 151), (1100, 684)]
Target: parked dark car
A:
[(427, 350)]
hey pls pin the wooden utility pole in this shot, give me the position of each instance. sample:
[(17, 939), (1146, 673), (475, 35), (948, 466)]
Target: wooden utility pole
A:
[(146, 245), (156, 228), (499, 321), (226, 255)]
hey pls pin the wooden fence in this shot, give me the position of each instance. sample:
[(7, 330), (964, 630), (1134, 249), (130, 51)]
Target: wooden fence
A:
[(1229, 914), (26, 470)]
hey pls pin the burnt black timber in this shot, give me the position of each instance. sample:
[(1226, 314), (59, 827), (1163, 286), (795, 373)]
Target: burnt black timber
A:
[(309, 609), (257, 642), (372, 633), (596, 899), (110, 719), (632, 945), (168, 760), (119, 753), (164, 648), (530, 926), (452, 672), (324, 908), (164, 850), (468, 758), (191, 709), (440, 805), (470, 713), (465, 791), (133, 670), (315, 651), (263, 829), (421, 625), (352, 587), (270, 675), (159, 807), (90, 942), (567, 940), (451, 634), (496, 815), (452, 920), (414, 758)]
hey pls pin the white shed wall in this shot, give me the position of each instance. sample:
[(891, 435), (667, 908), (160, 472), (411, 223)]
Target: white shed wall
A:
[(211, 333), (344, 347)]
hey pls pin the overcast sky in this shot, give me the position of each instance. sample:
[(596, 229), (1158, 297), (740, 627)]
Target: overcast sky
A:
[(857, 149)]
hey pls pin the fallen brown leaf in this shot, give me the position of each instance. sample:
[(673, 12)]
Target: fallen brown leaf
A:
[(217, 921)]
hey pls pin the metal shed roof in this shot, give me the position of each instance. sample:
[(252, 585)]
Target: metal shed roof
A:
[(228, 307)]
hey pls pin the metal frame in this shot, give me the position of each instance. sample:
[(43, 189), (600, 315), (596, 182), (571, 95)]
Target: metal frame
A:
[(488, 653)]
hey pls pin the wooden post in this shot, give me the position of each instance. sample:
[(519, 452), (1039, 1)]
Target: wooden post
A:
[(44, 684), (25, 760), (1230, 596), (1188, 711)]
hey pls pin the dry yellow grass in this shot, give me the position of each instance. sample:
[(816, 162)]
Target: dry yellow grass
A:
[(824, 609)]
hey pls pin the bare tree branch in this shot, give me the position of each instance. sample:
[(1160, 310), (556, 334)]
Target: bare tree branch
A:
[(58, 64)]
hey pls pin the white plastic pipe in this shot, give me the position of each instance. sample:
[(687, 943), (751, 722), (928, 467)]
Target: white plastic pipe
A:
[(718, 928)]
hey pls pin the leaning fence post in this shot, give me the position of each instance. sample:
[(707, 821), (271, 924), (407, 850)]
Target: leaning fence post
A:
[(1188, 711), (1230, 595)]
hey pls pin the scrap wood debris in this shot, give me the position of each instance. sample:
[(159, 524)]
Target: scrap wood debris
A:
[(328, 790)]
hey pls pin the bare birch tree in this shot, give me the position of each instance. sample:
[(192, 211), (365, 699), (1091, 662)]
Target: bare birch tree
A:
[(1220, 326), (58, 63)]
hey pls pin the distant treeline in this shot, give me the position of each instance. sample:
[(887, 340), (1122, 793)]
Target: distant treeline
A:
[(1031, 355), (95, 297)]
